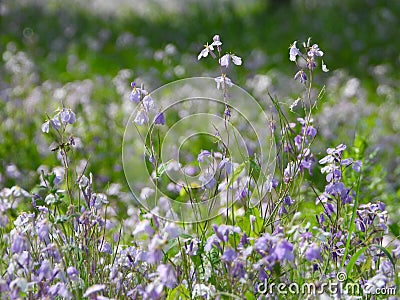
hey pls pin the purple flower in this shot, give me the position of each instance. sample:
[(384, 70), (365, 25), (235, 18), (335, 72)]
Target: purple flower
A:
[(263, 243), (284, 250), (288, 200), (141, 117), (222, 81), (159, 119), (229, 255), (357, 166), (301, 75), (311, 131), (167, 275), (105, 248), (136, 94), (315, 51), (223, 231), (72, 273), (225, 163), (19, 244), (293, 52), (59, 289), (207, 179), (45, 270), (67, 116), (313, 252), (148, 103), (94, 289), (204, 154), (212, 240), (43, 231), (45, 127), (55, 123)]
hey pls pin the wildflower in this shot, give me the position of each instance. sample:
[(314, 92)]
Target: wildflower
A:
[(45, 127), (223, 231), (167, 275), (284, 250), (294, 51), (225, 60), (225, 163), (301, 75), (357, 166), (105, 248), (313, 252), (141, 117), (229, 255), (55, 123), (136, 93), (207, 179), (67, 116), (222, 81), (45, 270), (315, 51), (159, 119), (94, 289), (72, 273), (204, 155), (208, 49), (148, 103)]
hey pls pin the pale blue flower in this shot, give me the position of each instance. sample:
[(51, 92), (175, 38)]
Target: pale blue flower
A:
[(294, 51)]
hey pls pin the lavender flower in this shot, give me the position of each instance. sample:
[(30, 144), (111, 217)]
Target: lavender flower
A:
[(294, 51), (284, 250), (315, 51), (313, 252), (67, 116), (301, 75), (141, 117), (159, 119), (229, 255), (223, 81), (167, 275), (136, 94), (94, 289)]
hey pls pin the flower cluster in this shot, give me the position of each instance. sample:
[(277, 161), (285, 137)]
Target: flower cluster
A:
[(63, 117), (312, 52), (147, 105)]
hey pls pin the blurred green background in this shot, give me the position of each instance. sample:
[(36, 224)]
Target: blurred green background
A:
[(84, 54)]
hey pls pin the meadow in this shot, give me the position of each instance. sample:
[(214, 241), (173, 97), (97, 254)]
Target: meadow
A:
[(195, 150)]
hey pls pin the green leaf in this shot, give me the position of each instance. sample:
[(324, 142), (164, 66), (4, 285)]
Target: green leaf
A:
[(178, 293), (353, 260), (395, 229)]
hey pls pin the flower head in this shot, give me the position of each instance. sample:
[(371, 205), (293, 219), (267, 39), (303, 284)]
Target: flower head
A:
[(293, 51), (225, 60), (222, 81), (315, 51), (159, 119), (301, 75)]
